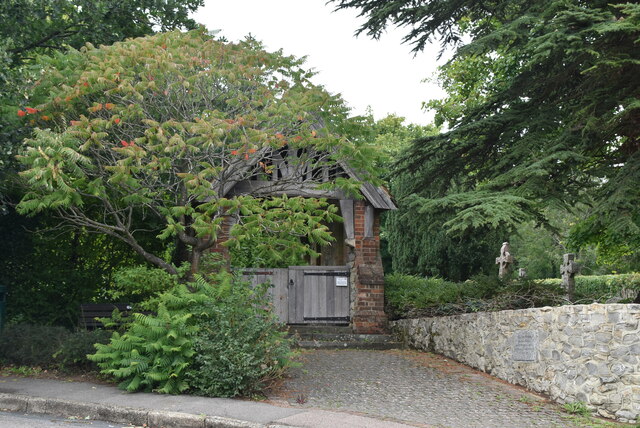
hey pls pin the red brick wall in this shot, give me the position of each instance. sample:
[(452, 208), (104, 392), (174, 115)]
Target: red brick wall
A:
[(368, 315)]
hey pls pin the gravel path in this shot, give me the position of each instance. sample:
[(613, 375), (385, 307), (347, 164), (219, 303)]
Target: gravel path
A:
[(414, 387)]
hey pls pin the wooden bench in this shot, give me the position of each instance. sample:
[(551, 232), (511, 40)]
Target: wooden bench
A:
[(90, 311)]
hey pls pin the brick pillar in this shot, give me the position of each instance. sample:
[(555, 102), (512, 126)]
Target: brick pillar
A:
[(368, 315), (223, 236)]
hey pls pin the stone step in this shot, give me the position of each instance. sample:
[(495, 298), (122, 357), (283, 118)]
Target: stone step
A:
[(320, 329), (336, 344), (345, 337), (339, 337)]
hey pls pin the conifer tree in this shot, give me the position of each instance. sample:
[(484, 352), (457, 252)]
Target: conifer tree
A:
[(542, 109)]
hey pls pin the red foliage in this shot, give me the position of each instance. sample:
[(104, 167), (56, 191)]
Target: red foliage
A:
[(21, 113)]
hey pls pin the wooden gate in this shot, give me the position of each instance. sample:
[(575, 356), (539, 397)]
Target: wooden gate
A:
[(307, 294)]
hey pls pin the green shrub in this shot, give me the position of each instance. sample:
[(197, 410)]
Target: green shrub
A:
[(601, 288), (409, 296), (49, 347), (31, 345), (239, 347), (72, 355), (216, 336)]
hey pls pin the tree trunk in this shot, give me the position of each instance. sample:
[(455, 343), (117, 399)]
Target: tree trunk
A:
[(181, 253), (196, 255)]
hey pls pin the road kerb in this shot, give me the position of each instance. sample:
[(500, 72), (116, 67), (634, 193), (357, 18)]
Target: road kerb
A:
[(118, 414)]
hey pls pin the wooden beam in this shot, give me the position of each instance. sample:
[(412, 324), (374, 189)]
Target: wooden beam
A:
[(369, 217), (279, 188), (346, 211)]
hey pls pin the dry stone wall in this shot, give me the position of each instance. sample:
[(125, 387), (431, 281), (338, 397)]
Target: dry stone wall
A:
[(588, 353)]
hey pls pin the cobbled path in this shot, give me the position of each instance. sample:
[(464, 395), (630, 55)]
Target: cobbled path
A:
[(413, 387)]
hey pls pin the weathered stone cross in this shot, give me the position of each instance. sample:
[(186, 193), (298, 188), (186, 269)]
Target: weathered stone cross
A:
[(505, 260), (568, 270)]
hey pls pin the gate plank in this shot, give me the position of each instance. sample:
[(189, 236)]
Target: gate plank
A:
[(342, 301), (278, 291), (330, 295), (280, 280), (299, 285)]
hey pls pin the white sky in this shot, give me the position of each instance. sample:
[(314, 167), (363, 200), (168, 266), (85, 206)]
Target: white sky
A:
[(382, 74)]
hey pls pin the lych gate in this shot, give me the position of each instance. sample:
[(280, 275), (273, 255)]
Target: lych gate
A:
[(345, 284)]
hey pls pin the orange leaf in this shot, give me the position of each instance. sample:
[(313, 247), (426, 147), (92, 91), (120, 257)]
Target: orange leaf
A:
[(124, 143), (109, 106), (31, 110), (21, 113), (116, 120), (234, 152), (44, 117), (252, 150)]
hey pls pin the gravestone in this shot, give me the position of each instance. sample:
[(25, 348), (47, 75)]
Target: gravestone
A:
[(568, 270), (505, 260)]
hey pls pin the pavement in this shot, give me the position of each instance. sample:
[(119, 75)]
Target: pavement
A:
[(82, 400), (332, 389)]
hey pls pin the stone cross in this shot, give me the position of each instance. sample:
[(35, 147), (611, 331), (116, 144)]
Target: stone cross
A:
[(568, 270), (505, 260)]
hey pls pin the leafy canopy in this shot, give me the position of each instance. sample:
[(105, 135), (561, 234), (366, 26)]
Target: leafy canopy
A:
[(30, 28), (542, 108), (37, 26), (156, 130)]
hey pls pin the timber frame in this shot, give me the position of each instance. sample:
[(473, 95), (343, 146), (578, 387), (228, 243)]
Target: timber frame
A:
[(298, 172)]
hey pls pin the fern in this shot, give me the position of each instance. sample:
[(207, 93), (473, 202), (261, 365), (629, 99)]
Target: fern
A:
[(151, 354)]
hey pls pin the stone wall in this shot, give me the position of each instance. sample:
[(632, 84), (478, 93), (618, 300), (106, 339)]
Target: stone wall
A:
[(588, 353)]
